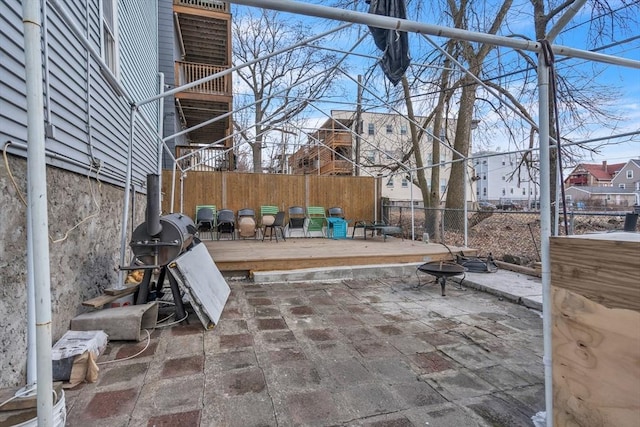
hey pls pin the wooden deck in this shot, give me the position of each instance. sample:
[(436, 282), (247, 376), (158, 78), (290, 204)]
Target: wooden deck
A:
[(254, 255)]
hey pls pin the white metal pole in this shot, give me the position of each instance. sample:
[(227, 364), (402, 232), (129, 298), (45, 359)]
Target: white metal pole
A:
[(160, 132), (173, 186), (545, 231), (465, 180), (32, 378), (37, 200), (125, 207), (413, 217)]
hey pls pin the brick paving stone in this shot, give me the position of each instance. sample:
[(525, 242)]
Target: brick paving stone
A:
[(391, 371), (232, 360), (432, 362), (343, 320), (266, 311), (394, 422), (182, 366), (300, 375), (470, 356), (276, 337), (132, 349), (235, 341), (190, 418), (311, 408), (365, 400), (238, 382), (184, 345), (111, 403), (374, 349), (187, 329), (348, 371), (132, 373), (320, 334), (357, 333), (232, 326), (259, 301), (501, 377), (388, 329), (501, 412), (417, 393), (439, 338), (304, 310), (321, 300), (286, 355), (457, 385), (271, 324), (231, 313)]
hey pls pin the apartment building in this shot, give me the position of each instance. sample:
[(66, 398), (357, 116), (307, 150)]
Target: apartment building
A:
[(195, 42)]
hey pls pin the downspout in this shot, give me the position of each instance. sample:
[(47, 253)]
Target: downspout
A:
[(45, 50), (125, 208), (37, 204), (545, 232)]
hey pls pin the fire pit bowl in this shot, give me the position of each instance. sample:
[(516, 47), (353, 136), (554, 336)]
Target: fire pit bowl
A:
[(441, 270)]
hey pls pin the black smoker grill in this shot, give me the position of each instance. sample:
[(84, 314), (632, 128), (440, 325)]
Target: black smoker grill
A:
[(157, 242)]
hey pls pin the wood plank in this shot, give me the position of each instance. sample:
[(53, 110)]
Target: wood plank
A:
[(100, 301), (124, 291), (298, 253), (518, 268), (22, 402), (602, 267), (596, 362)]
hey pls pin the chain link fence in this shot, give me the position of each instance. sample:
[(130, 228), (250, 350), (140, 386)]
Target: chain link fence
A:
[(500, 233)]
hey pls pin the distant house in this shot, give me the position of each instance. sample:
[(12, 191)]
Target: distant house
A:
[(629, 176), (600, 197), (593, 175), (502, 176)]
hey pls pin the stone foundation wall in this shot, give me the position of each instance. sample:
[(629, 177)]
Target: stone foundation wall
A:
[(83, 260)]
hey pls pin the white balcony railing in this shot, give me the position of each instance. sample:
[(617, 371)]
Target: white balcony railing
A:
[(188, 72)]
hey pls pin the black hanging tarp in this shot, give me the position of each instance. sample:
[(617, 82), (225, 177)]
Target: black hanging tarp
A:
[(394, 44)]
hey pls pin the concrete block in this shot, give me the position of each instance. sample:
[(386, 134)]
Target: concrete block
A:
[(120, 323)]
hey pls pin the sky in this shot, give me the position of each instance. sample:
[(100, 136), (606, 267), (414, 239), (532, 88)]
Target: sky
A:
[(624, 80)]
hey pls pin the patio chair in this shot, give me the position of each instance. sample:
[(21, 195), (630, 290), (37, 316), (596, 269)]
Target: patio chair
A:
[(297, 220), (277, 224), (213, 208), (226, 223), (316, 219), (247, 223), (336, 224), (206, 220)]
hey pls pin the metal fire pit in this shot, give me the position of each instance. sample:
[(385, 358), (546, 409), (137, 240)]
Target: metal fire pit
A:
[(441, 270)]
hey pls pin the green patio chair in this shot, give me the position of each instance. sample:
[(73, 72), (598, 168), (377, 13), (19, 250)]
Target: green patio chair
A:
[(267, 216), (316, 220)]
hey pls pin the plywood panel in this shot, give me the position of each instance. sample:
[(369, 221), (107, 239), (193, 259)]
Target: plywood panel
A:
[(602, 267), (596, 362)]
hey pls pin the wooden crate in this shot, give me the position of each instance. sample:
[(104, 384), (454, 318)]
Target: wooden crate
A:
[(595, 312)]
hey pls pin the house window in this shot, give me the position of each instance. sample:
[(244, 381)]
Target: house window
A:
[(504, 192), (405, 182), (621, 186), (390, 182), (429, 159), (511, 191), (630, 174), (503, 162), (389, 129), (524, 191), (403, 129), (484, 177), (109, 35), (484, 191), (443, 185), (371, 156), (372, 129), (504, 178)]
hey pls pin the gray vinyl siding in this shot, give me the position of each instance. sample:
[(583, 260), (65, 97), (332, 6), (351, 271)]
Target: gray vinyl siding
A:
[(89, 117)]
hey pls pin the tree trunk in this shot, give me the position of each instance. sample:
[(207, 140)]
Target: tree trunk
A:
[(457, 186)]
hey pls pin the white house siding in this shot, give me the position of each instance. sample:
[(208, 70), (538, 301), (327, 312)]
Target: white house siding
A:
[(85, 259), (499, 178)]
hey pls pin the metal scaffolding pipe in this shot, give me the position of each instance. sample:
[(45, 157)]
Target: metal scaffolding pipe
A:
[(397, 24)]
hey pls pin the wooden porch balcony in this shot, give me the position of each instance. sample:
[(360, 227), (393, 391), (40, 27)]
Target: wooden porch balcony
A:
[(336, 167), (187, 72), (211, 5)]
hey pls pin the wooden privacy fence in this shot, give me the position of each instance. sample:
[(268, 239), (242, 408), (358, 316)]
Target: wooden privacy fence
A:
[(357, 196)]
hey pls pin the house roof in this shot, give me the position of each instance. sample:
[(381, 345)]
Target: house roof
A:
[(602, 171), (602, 190)]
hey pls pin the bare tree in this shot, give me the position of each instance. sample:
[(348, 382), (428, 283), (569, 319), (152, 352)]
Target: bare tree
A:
[(281, 86)]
